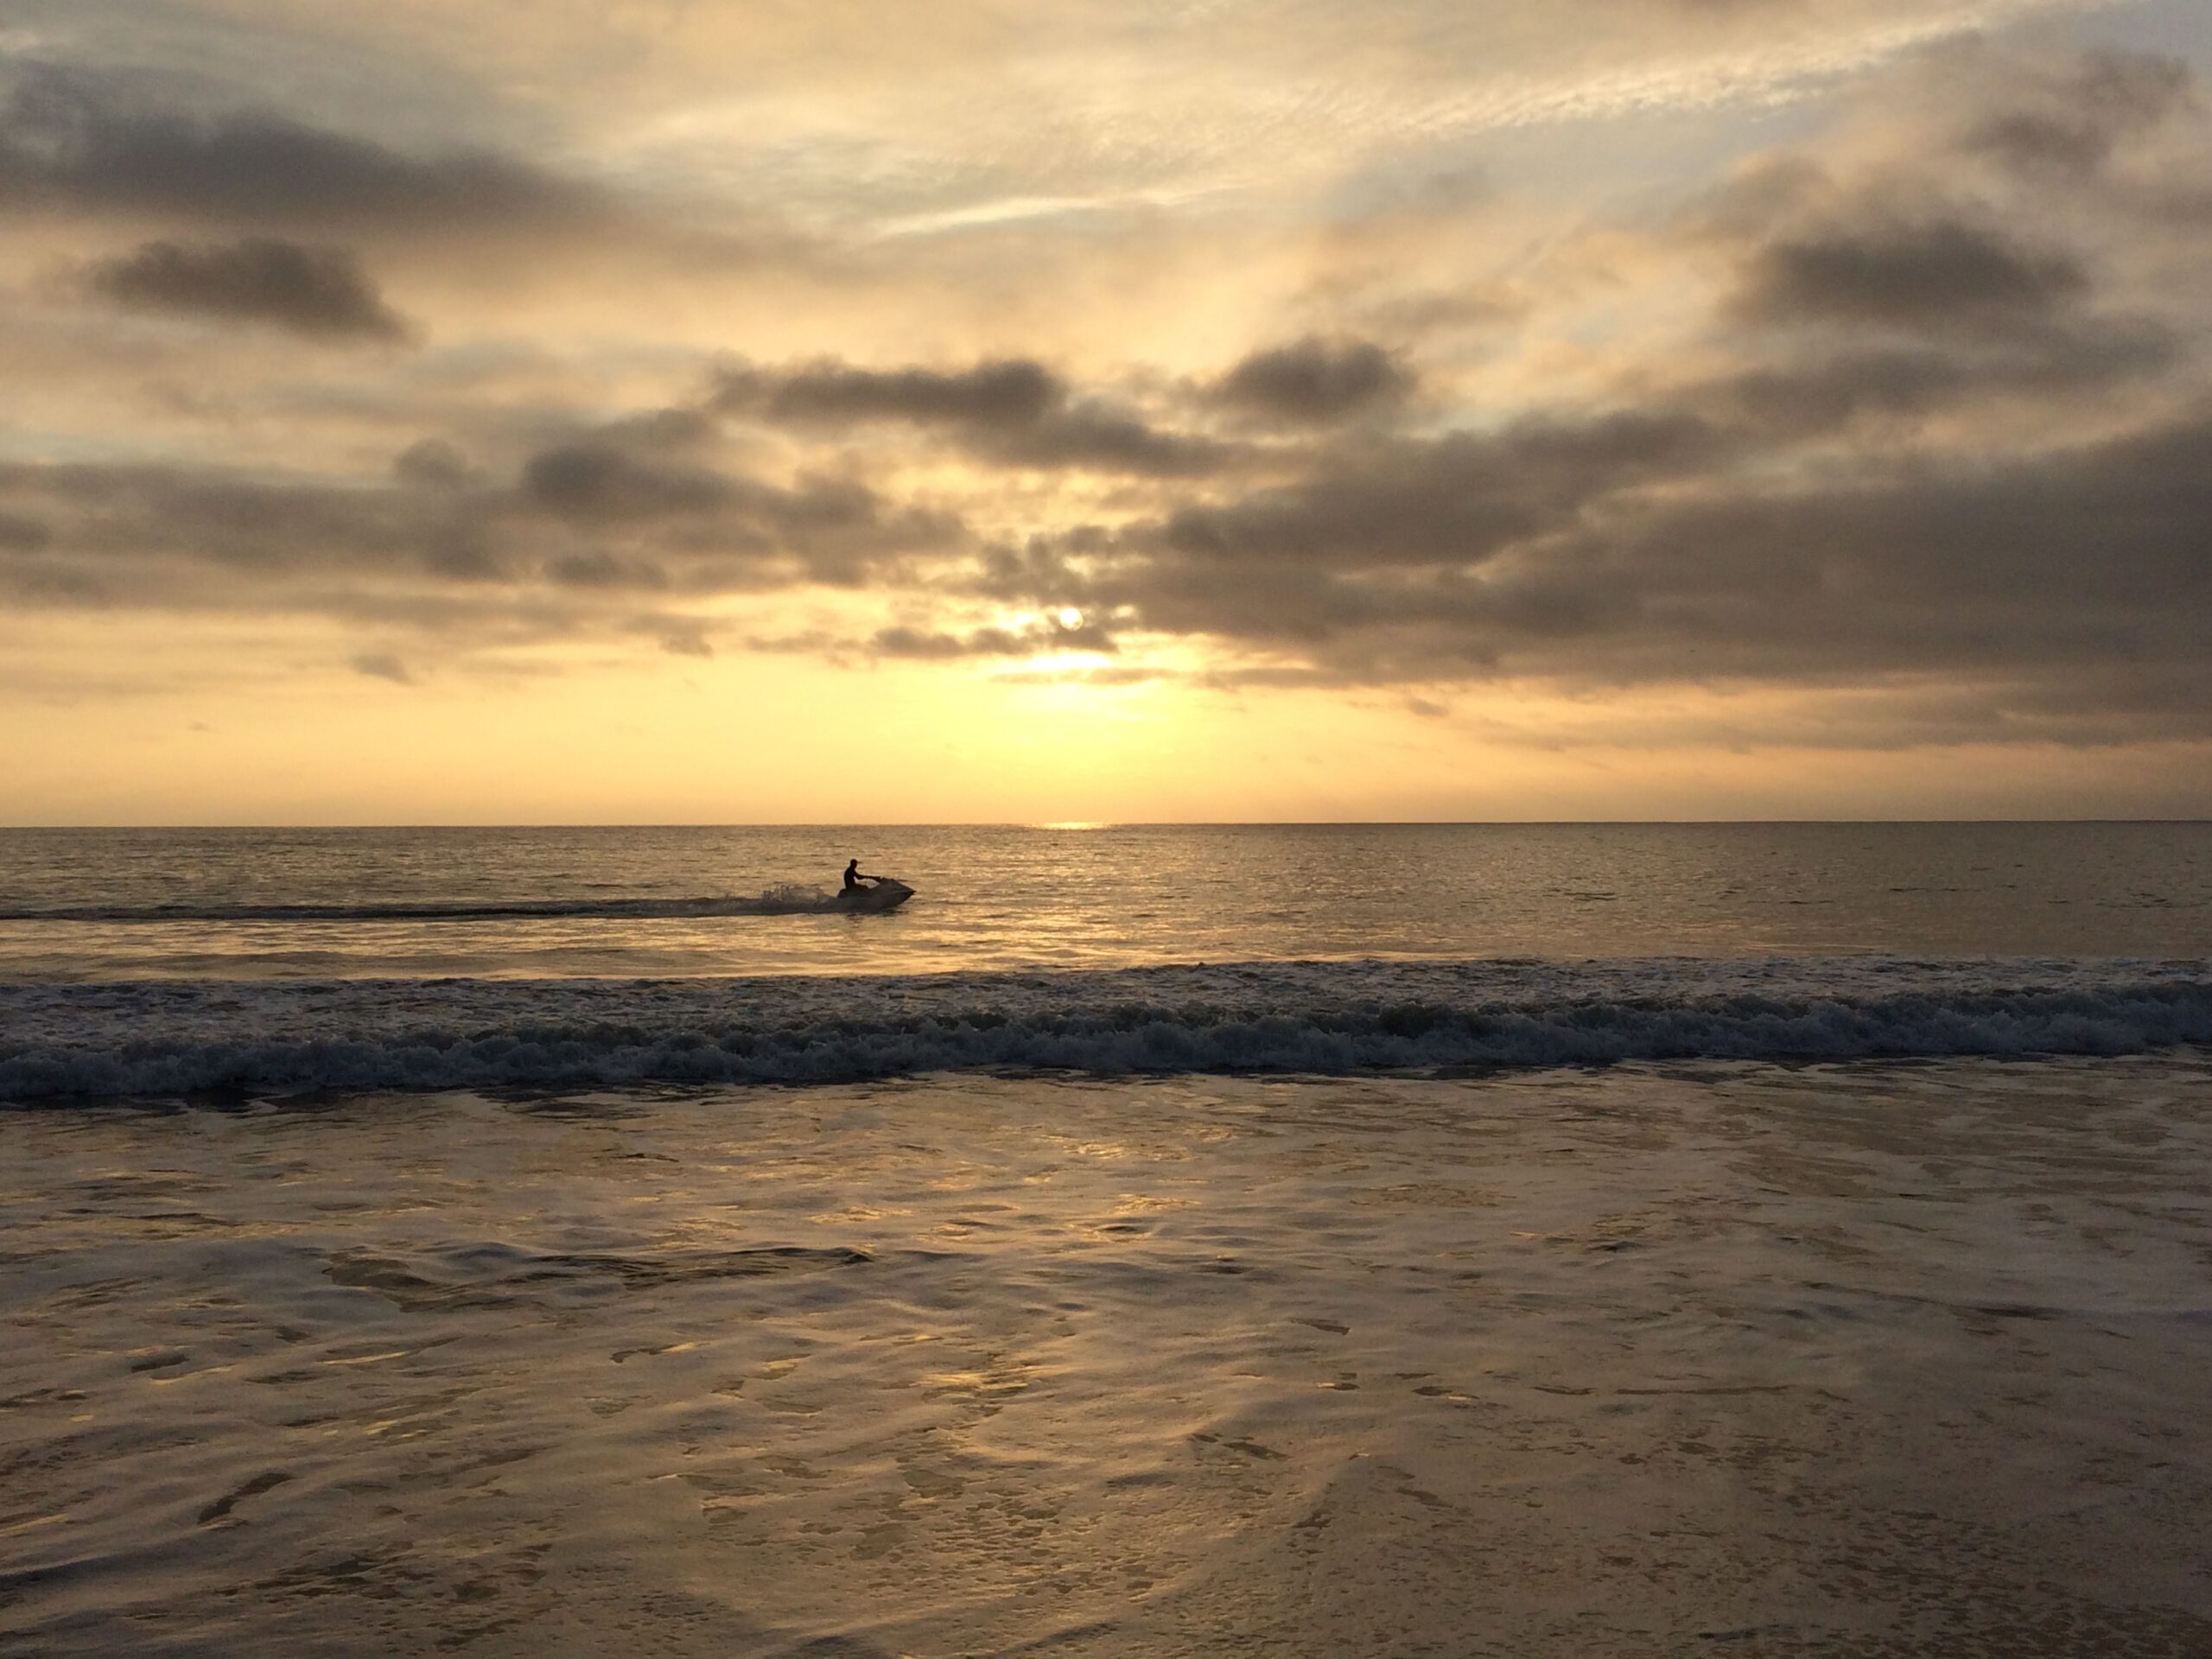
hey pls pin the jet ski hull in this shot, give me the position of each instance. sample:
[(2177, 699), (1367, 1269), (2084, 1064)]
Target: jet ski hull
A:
[(885, 894)]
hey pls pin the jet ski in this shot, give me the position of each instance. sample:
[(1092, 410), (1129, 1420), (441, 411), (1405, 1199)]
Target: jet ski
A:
[(884, 892)]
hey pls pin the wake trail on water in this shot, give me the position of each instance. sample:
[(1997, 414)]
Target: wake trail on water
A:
[(775, 901), (144, 1039)]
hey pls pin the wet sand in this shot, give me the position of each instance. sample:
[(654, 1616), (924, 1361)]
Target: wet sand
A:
[(1865, 1359)]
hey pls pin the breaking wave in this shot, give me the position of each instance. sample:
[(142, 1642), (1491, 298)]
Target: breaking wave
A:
[(178, 1038)]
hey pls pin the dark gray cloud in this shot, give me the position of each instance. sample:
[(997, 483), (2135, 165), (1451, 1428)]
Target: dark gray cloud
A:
[(19, 535), (600, 569), (584, 528), (1825, 390), (1975, 224), (619, 483), (1314, 380), (1006, 394), (2077, 571), (383, 666), (930, 644), (1913, 275), (1380, 534), (1454, 500), (1011, 412), (2066, 586), (434, 462), (603, 481), (76, 142), (679, 636), (2072, 120), (321, 292), (1096, 437)]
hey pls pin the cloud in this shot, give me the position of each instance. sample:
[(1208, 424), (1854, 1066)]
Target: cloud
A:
[(721, 530), (383, 666), (2050, 589), (1824, 391), (679, 636), (75, 141), (1934, 272), (1007, 393), (601, 481), (1314, 380), (319, 292), (600, 568), (19, 535), (1915, 408), (2056, 585), (434, 463), (935, 646), (1012, 412), (1038, 640), (1985, 194), (1952, 465), (561, 549), (2071, 116), (1453, 500)]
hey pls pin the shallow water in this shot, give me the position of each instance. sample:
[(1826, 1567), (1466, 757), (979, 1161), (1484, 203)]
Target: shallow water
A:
[(1873, 1358)]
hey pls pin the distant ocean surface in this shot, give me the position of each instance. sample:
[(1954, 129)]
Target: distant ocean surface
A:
[(138, 962)]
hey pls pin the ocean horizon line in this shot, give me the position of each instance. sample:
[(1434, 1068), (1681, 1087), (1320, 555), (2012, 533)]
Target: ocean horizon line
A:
[(1082, 826)]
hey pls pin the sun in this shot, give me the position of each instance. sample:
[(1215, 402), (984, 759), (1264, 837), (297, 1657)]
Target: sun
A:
[(1069, 616)]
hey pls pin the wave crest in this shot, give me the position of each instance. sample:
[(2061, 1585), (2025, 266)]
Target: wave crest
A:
[(137, 1040)]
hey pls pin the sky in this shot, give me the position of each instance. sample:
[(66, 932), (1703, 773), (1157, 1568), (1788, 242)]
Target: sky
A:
[(849, 411)]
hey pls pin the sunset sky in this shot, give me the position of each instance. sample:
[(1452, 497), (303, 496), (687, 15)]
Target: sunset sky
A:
[(640, 410)]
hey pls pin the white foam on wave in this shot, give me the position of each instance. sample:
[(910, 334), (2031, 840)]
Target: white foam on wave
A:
[(166, 1039)]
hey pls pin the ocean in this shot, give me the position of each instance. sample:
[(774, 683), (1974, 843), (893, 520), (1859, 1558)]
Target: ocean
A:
[(1575, 1239), (151, 963)]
